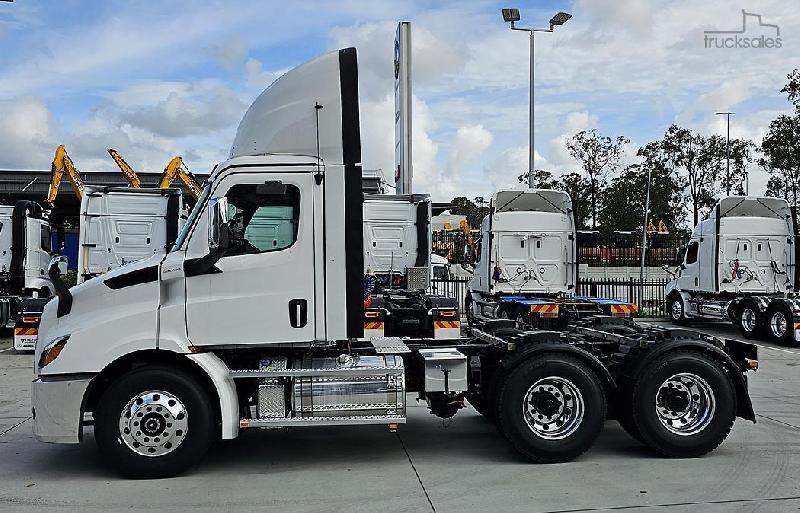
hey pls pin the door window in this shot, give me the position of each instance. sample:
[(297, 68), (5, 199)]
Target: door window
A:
[(691, 252), (46, 245), (263, 217)]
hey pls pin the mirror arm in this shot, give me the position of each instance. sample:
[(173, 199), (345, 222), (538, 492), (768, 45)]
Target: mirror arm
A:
[(62, 291)]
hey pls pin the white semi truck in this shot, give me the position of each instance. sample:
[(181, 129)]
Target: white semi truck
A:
[(397, 257), (224, 333), (741, 266), (25, 252), (526, 268), (120, 225)]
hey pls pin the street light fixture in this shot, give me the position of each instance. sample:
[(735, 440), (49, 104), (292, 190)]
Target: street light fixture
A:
[(512, 16), (727, 152)]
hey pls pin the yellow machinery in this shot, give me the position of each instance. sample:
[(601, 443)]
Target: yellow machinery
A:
[(174, 169), (130, 174), (63, 164)]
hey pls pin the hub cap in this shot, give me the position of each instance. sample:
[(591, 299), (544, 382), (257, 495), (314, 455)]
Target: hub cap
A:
[(685, 404), (676, 309), (748, 320), (778, 324), (553, 408), (153, 423)]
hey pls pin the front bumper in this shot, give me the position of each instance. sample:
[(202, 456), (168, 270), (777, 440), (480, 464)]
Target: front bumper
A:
[(58, 408)]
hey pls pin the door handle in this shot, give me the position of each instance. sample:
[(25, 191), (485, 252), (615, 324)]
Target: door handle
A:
[(298, 313)]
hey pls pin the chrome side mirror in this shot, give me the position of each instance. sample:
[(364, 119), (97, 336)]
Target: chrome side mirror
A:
[(217, 224)]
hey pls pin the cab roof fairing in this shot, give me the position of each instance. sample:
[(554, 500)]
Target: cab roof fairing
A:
[(532, 200), (283, 119)]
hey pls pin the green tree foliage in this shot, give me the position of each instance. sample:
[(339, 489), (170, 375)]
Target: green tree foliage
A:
[(780, 148), (624, 198), (598, 155), (578, 189), (541, 179), (463, 206)]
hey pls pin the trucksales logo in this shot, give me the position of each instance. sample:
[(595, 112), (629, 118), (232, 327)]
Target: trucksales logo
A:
[(753, 34)]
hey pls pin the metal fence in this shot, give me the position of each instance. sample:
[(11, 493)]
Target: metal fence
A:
[(648, 295), (621, 249)]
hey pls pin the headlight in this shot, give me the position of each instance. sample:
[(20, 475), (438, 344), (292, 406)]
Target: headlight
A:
[(52, 350)]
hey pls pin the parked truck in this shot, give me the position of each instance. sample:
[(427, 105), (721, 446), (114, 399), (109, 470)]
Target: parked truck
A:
[(223, 333), (526, 267), (25, 252), (740, 265), (397, 259)]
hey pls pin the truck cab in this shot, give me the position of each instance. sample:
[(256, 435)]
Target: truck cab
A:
[(739, 265)]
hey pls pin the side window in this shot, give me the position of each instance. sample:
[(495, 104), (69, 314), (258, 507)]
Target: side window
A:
[(46, 244), (263, 217), (691, 252)]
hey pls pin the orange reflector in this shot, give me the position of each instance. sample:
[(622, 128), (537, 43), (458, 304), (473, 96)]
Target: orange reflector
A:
[(447, 313), (195, 349), (244, 423), (446, 324), (751, 364), (373, 325), (393, 427)]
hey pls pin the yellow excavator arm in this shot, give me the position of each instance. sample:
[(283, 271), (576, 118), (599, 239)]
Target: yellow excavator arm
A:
[(130, 174), (63, 164), (174, 169)]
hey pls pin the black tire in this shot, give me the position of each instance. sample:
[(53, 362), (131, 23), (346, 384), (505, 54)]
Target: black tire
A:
[(752, 324), (675, 310), (779, 324), (583, 398), (658, 390), (187, 451), (625, 412), (468, 308)]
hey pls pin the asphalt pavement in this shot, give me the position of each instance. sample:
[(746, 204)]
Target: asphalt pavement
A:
[(429, 465)]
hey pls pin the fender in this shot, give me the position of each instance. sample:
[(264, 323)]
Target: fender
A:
[(744, 405), (543, 343), (219, 374)]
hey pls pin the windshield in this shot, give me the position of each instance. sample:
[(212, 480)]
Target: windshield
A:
[(192, 217)]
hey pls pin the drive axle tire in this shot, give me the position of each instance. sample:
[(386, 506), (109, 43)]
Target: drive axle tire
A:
[(552, 408), (751, 321), (684, 404), (780, 325), (676, 311), (154, 422)]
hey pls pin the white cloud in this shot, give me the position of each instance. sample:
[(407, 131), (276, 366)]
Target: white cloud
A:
[(230, 53), (25, 131), (257, 77)]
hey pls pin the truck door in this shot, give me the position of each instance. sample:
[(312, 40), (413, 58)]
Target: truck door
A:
[(689, 278), (263, 289)]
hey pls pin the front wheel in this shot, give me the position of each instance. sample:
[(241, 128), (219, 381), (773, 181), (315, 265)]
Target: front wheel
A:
[(684, 404), (676, 311), (780, 325), (154, 422), (552, 408)]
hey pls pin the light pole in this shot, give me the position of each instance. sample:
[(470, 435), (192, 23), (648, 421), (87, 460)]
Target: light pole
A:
[(512, 15), (727, 152), (644, 223)]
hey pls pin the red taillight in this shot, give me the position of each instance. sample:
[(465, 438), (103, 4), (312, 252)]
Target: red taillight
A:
[(32, 319), (447, 313), (374, 314)]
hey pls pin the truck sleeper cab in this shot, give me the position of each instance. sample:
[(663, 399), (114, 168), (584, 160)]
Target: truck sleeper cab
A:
[(526, 268), (237, 328), (740, 266)]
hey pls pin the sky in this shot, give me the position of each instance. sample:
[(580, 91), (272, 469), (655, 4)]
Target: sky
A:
[(157, 79)]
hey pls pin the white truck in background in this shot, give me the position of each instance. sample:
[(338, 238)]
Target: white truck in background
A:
[(120, 225), (397, 255), (740, 265), (25, 252), (224, 333), (526, 268)]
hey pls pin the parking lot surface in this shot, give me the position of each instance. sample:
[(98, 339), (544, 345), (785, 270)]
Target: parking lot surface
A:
[(429, 465)]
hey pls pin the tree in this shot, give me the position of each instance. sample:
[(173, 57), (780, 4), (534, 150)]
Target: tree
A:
[(541, 179), (703, 159), (578, 189), (597, 155), (624, 198), (781, 157), (792, 88), (462, 206)]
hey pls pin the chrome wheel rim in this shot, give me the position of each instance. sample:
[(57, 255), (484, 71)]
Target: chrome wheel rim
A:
[(778, 324), (685, 404), (553, 408), (676, 309), (748, 320), (153, 423)]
